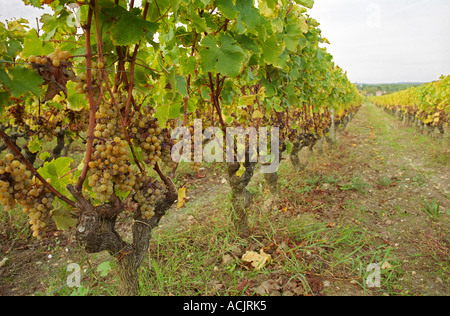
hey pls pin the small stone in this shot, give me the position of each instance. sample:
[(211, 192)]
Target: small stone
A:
[(3, 262)]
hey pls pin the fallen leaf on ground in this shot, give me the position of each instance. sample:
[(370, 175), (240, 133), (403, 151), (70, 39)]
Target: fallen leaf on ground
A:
[(256, 259), (267, 287), (386, 265), (181, 197)]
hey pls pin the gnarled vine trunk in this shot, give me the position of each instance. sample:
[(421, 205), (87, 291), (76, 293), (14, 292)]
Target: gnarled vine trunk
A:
[(96, 232), (241, 197)]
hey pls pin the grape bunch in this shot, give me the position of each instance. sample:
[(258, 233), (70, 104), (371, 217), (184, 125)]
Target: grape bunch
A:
[(148, 193), (166, 149), (146, 133), (14, 181), (38, 204), (18, 187), (57, 58), (81, 80), (109, 167), (195, 166)]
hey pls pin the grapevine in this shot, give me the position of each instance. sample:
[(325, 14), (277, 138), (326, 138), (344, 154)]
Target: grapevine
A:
[(109, 165)]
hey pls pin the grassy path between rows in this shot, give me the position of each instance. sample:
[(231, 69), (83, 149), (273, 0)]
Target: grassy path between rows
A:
[(377, 198)]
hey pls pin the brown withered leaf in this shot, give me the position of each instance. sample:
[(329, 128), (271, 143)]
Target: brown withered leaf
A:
[(55, 77)]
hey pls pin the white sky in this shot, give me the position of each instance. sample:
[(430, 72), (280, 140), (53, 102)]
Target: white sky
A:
[(375, 41), (384, 41)]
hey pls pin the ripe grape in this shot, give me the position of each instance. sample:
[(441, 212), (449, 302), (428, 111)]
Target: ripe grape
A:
[(18, 187), (110, 168), (148, 193)]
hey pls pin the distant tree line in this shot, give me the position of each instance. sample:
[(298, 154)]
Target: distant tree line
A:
[(386, 88)]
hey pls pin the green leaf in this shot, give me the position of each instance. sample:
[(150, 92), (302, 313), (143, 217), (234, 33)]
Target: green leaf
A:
[(104, 268), (162, 114), (292, 34), (175, 5), (33, 45), (248, 13), (175, 110), (224, 56), (80, 291), (122, 195), (199, 23), (4, 98), (306, 3), (22, 80), (44, 155), (181, 85), (227, 8), (55, 170), (188, 65), (271, 50), (128, 30), (64, 221), (76, 100), (35, 144)]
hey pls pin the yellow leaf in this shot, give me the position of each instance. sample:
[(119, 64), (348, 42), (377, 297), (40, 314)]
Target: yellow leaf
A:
[(248, 99), (181, 197), (256, 259), (241, 170), (257, 114), (386, 265)]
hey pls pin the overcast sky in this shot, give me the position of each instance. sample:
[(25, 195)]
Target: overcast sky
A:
[(375, 41), (386, 41)]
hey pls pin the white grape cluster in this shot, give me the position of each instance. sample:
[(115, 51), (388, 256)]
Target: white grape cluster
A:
[(18, 187), (81, 86), (146, 133), (38, 204), (56, 58), (148, 193), (15, 181), (109, 168), (195, 166), (166, 149)]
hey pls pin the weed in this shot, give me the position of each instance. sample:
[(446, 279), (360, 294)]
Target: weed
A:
[(432, 208), (330, 179), (356, 184), (385, 181)]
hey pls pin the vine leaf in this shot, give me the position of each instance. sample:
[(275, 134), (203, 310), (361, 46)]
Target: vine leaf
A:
[(130, 29), (227, 8), (55, 77), (33, 45), (271, 50), (224, 56), (21, 80), (35, 144), (306, 3), (241, 170), (64, 221), (58, 172), (181, 197)]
